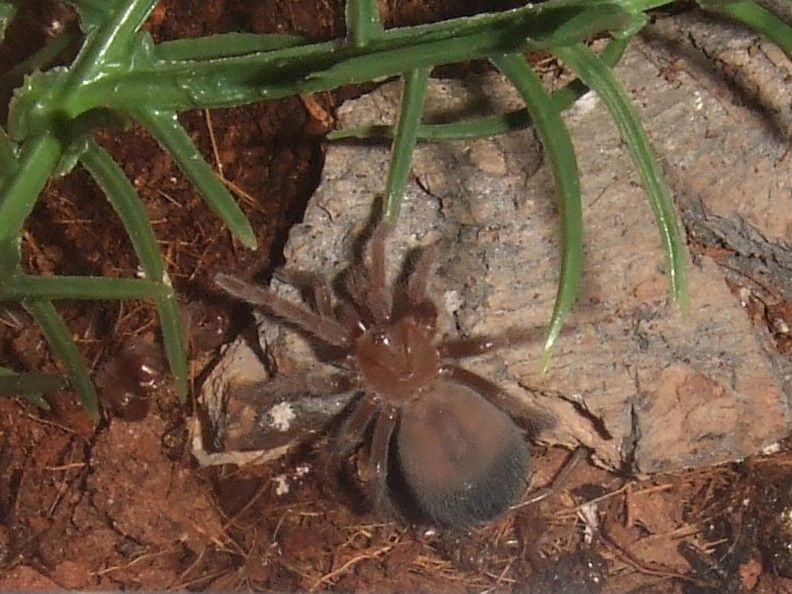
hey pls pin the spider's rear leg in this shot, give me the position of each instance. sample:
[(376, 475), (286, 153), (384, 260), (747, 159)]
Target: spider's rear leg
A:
[(559, 481), (375, 472), (532, 420), (353, 428)]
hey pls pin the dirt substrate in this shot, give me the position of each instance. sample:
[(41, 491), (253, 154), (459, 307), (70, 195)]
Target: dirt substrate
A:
[(123, 505)]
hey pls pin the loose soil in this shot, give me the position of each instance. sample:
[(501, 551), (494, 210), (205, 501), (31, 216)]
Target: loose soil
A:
[(122, 505)]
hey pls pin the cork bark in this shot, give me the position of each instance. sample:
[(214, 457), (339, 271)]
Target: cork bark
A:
[(644, 386)]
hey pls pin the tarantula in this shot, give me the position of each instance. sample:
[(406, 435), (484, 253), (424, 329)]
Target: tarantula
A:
[(443, 434)]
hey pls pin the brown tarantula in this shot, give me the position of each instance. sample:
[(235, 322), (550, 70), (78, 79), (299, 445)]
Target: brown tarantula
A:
[(441, 440)]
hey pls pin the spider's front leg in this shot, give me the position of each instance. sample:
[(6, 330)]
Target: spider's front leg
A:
[(327, 330), (315, 283), (378, 298), (418, 282), (366, 282)]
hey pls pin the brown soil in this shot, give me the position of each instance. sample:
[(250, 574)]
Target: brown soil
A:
[(122, 505)]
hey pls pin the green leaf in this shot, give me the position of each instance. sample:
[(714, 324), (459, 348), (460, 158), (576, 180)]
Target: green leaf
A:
[(757, 18), (125, 201), (41, 59), (80, 131), (174, 339), (27, 111), (19, 194), (94, 13), (412, 105), (165, 127), (8, 11), (599, 77), (112, 44), (24, 286), (224, 45), (558, 146), (127, 204), (30, 386), (60, 340)]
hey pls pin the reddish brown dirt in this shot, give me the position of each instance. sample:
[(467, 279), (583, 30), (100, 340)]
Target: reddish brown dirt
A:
[(123, 506)]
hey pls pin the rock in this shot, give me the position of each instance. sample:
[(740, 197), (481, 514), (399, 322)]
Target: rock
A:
[(644, 386)]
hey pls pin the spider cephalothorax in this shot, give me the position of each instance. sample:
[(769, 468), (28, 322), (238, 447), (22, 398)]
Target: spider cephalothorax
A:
[(448, 433)]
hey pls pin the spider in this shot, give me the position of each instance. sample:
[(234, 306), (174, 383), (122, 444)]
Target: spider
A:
[(440, 442)]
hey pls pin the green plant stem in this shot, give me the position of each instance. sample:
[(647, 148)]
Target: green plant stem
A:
[(599, 77), (416, 83), (60, 340), (235, 80), (8, 160), (558, 146), (110, 41)]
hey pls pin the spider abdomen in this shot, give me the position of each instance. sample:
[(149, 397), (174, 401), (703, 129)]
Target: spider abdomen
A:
[(462, 459)]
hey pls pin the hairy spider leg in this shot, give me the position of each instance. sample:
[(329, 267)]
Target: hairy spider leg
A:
[(464, 348), (378, 296), (375, 475), (558, 483), (419, 279), (317, 284), (350, 318), (287, 387), (327, 330), (531, 419), (353, 428), (357, 287)]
